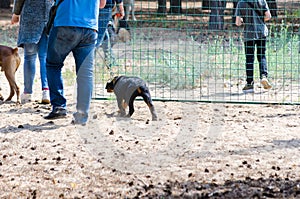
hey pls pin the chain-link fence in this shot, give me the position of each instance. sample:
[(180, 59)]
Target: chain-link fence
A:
[(193, 51)]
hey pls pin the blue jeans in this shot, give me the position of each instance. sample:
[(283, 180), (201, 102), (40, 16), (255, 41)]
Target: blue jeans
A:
[(31, 51), (81, 42), (107, 47), (261, 57), (103, 19)]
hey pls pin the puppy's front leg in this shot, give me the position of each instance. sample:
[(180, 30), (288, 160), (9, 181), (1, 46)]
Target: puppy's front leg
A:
[(121, 108)]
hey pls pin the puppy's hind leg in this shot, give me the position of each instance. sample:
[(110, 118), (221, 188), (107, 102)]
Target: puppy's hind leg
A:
[(130, 104), (147, 99)]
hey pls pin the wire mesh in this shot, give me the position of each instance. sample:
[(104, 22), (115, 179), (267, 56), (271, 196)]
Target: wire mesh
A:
[(193, 51)]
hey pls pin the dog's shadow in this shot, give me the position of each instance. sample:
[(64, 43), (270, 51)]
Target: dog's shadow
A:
[(10, 102), (118, 116), (39, 128)]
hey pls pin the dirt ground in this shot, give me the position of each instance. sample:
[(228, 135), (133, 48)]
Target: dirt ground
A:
[(194, 150)]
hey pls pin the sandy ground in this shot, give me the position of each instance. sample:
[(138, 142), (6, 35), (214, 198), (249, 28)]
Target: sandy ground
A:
[(113, 157)]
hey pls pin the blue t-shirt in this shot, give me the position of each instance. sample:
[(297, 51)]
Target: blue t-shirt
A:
[(252, 12), (78, 13)]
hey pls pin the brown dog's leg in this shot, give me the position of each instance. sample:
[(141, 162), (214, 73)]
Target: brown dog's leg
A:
[(11, 66), (13, 87)]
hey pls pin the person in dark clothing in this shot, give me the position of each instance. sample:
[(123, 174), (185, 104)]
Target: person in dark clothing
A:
[(252, 14)]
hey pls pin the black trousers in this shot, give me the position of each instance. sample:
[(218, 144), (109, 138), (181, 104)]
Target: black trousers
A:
[(260, 46)]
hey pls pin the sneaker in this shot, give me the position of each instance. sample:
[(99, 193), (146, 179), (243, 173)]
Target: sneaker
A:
[(45, 97), (26, 97), (57, 113), (265, 83), (248, 88), (79, 118)]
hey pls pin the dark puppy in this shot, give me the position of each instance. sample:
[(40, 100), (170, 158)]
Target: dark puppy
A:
[(126, 90), (9, 63)]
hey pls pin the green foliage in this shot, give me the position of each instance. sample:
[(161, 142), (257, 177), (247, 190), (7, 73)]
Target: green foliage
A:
[(187, 63)]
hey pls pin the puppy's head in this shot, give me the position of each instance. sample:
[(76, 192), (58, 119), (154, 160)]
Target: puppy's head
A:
[(111, 85)]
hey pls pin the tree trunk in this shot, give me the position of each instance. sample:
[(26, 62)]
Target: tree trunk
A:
[(162, 7), (4, 3), (273, 7), (216, 18), (206, 5), (175, 7)]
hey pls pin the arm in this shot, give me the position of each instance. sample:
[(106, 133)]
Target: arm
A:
[(267, 16), (17, 9), (102, 3), (121, 10), (265, 8), (238, 21)]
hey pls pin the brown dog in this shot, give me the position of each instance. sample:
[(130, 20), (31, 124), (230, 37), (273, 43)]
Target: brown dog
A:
[(9, 63)]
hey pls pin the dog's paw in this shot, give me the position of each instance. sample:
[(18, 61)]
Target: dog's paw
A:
[(154, 118), (121, 114)]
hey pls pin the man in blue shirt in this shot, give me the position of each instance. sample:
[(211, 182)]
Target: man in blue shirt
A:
[(74, 30), (253, 14)]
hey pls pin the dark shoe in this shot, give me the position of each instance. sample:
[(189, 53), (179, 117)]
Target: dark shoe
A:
[(248, 88), (56, 114)]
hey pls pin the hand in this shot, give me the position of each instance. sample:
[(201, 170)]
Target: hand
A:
[(120, 15), (15, 19)]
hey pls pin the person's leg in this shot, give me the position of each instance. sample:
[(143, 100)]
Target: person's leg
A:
[(261, 57), (61, 41), (42, 52), (107, 49), (43, 46), (106, 44), (103, 19), (249, 52), (30, 55), (84, 60)]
